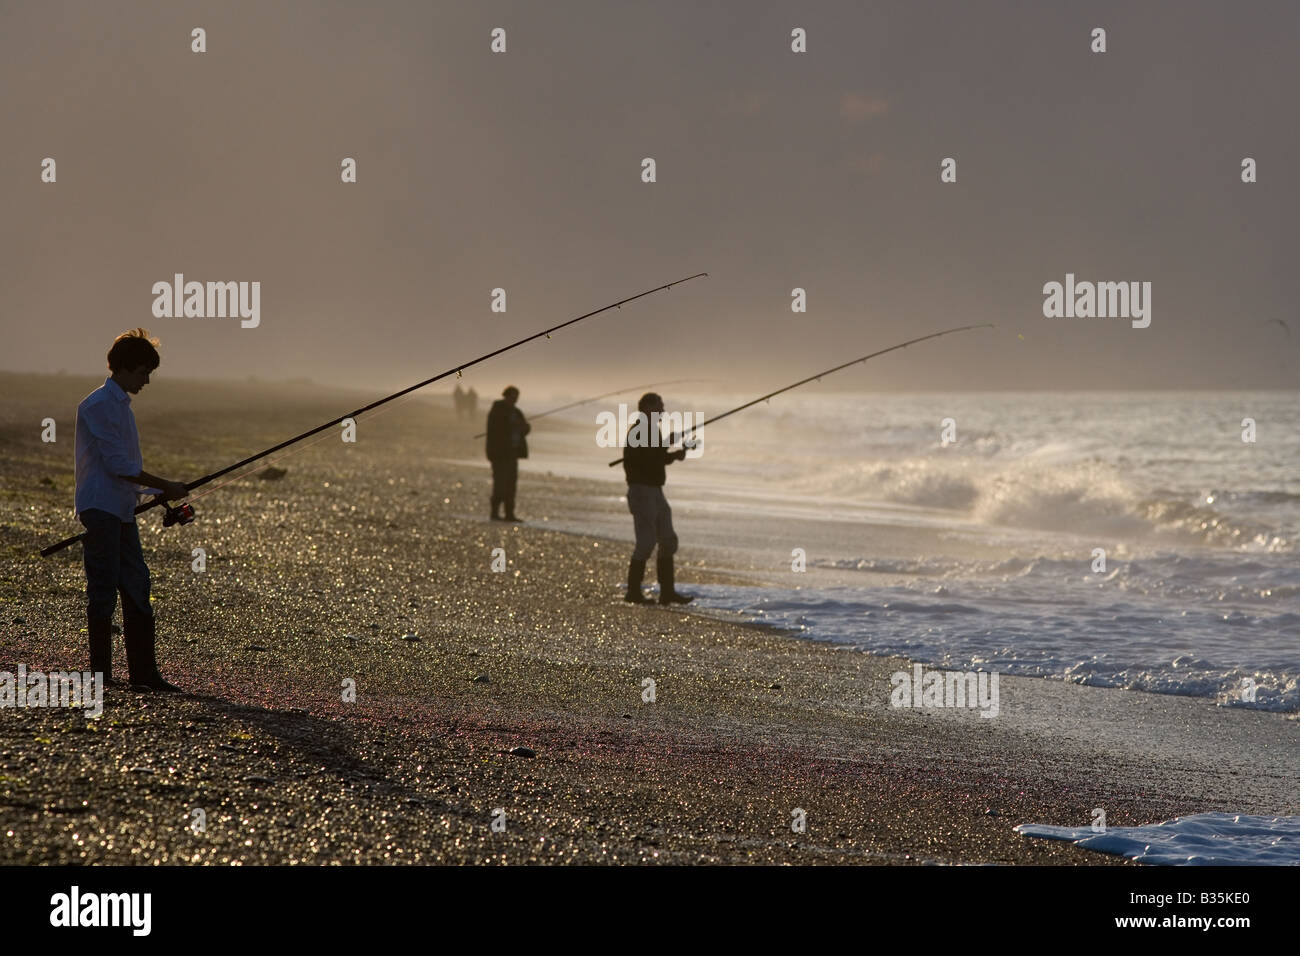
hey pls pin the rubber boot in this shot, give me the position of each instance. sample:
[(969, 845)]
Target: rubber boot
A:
[(496, 506), (100, 636), (635, 572), (510, 511), (141, 659), (667, 593)]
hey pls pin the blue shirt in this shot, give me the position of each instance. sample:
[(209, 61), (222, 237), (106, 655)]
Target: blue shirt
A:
[(108, 447)]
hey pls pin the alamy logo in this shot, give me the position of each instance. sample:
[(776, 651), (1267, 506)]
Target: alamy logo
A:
[(55, 689), (212, 300), (1102, 300), (103, 909), (924, 688), (646, 431)]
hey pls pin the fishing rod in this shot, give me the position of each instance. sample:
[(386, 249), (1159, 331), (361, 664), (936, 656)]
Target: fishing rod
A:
[(184, 513), (617, 391), (813, 378)]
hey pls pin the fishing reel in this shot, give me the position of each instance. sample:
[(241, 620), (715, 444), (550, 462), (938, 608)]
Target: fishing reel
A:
[(182, 513)]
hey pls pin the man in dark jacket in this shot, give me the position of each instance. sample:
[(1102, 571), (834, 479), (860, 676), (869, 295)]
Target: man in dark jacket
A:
[(506, 429), (644, 464)]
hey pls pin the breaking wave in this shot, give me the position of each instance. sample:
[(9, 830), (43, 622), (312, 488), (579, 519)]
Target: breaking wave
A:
[(1084, 498)]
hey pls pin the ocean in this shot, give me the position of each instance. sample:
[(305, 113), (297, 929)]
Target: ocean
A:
[(985, 551)]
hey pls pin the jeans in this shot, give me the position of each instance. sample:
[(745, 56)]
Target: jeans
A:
[(653, 521), (505, 479), (114, 564)]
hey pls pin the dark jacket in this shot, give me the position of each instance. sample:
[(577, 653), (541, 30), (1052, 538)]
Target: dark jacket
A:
[(645, 466), (506, 429)]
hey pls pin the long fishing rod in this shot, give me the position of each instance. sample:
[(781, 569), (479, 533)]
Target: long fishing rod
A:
[(813, 378), (617, 391), (184, 513)]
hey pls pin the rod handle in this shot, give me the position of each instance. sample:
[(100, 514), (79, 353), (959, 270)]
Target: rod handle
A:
[(65, 543)]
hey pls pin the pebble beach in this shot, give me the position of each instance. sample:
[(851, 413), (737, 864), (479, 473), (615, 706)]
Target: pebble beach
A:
[(508, 717)]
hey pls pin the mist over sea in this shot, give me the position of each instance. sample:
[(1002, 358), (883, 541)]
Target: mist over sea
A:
[(981, 552)]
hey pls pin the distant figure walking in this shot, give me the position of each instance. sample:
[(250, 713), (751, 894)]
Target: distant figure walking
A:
[(471, 403), (506, 444), (458, 399), (110, 472), (644, 466)]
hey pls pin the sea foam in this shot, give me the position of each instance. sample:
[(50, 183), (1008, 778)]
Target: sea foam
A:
[(1202, 839)]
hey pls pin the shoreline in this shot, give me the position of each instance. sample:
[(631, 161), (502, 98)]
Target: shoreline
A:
[(748, 724)]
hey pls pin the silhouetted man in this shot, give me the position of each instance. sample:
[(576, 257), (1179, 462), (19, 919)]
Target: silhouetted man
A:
[(644, 465), (458, 399), (110, 473), (471, 402), (506, 429)]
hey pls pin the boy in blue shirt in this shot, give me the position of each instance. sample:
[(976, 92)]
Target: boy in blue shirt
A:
[(110, 474)]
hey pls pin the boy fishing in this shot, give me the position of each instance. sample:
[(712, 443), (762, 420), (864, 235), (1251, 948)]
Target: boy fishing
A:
[(110, 474)]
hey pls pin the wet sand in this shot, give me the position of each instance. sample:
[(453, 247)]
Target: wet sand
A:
[(320, 577)]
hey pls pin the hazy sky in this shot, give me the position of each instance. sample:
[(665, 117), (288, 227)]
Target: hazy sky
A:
[(775, 170)]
